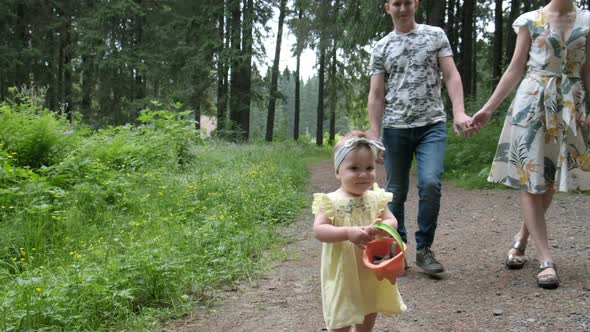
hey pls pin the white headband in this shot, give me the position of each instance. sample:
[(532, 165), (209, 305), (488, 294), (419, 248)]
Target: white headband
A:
[(352, 143)]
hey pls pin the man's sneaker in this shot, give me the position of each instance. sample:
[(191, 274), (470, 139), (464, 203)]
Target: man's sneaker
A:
[(426, 261)]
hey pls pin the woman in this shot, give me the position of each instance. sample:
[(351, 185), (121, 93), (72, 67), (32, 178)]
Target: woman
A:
[(542, 147)]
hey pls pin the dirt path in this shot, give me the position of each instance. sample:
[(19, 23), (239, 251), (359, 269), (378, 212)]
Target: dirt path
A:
[(476, 293)]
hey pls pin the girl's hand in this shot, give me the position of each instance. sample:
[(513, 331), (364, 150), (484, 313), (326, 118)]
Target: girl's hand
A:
[(359, 236), (377, 232), (479, 119)]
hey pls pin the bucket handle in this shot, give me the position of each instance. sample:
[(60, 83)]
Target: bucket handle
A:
[(393, 233)]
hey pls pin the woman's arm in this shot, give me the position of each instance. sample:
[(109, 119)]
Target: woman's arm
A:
[(510, 79)]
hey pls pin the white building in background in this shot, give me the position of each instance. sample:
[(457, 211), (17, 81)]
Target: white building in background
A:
[(208, 124)]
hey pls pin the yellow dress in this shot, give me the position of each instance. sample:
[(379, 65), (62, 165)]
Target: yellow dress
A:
[(349, 289)]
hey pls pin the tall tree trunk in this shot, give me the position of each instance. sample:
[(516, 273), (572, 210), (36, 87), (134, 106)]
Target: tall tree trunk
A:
[(526, 6), (235, 82), (297, 112), (67, 68), (320, 113), (437, 13), (270, 118), (498, 34), (21, 71), (510, 35), (198, 103), (423, 12), (139, 79), (467, 46), (221, 72), (246, 69), (299, 50), (474, 60), (87, 83), (452, 33), (332, 94)]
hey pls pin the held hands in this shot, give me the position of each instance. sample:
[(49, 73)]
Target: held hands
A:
[(462, 125), (480, 119)]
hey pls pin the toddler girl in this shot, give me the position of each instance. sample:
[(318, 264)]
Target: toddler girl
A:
[(351, 294)]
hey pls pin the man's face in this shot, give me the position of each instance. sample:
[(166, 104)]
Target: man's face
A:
[(401, 11)]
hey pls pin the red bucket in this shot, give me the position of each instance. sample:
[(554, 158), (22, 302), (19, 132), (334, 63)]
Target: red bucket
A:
[(389, 269)]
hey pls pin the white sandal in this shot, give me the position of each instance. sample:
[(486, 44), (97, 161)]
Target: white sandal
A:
[(548, 281), (516, 261)]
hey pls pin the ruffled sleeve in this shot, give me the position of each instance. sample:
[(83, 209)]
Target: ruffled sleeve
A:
[(323, 203), (383, 197), (526, 19)]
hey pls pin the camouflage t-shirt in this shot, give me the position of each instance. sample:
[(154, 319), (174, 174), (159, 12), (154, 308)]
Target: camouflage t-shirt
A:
[(412, 76)]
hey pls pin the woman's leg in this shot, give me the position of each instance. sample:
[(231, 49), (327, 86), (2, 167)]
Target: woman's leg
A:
[(367, 325), (523, 233), (533, 207), (342, 329)]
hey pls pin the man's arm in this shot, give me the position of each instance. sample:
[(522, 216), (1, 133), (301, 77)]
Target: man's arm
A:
[(455, 90), (376, 105)]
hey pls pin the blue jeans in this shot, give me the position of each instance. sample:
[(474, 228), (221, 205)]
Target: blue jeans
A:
[(428, 144)]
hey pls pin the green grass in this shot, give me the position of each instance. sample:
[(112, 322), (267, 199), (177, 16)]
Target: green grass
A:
[(468, 160), (122, 228)]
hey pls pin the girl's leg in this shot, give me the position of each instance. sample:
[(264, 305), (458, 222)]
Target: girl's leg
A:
[(342, 329), (533, 208), (367, 325)]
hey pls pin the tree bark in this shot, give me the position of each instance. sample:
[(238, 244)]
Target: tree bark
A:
[(320, 113), (297, 111), (270, 119), (497, 50), (246, 69), (526, 6), (452, 33), (221, 72), (510, 35), (235, 83), (437, 13), (21, 73), (138, 77), (467, 46), (67, 68), (333, 87)]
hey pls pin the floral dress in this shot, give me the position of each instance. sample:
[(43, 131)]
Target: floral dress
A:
[(349, 289), (543, 144)]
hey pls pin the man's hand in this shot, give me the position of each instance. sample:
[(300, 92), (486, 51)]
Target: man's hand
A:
[(374, 135), (462, 125)]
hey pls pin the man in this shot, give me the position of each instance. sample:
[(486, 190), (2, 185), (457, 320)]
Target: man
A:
[(405, 99)]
